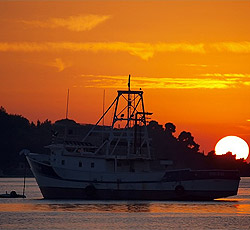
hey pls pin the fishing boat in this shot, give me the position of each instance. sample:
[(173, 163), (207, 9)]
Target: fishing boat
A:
[(115, 163)]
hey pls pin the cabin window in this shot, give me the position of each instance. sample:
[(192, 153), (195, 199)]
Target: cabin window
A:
[(92, 165), (63, 162), (80, 164)]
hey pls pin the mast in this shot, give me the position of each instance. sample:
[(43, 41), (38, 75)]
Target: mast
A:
[(129, 102), (67, 106), (103, 107), (127, 136), (24, 179), (103, 111), (128, 117)]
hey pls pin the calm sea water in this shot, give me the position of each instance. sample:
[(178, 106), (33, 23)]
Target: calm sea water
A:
[(36, 213)]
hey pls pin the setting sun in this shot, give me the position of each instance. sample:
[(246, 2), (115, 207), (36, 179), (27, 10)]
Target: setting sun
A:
[(233, 144)]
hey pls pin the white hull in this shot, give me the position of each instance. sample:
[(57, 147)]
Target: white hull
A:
[(65, 183)]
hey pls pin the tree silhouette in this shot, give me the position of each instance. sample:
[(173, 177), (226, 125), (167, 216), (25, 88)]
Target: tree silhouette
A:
[(154, 126), (211, 154), (188, 141), (170, 128), (18, 133)]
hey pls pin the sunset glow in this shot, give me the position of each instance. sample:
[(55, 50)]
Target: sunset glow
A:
[(191, 58)]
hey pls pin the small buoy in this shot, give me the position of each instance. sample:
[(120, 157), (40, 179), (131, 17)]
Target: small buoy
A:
[(13, 194)]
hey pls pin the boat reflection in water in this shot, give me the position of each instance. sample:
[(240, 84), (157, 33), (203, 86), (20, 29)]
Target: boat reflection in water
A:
[(115, 163)]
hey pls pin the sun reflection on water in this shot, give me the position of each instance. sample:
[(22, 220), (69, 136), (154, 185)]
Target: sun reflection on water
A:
[(219, 206)]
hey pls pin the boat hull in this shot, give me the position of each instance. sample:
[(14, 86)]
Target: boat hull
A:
[(109, 194), (169, 185)]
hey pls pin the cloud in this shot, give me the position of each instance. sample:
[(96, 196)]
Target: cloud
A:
[(236, 78), (74, 23), (58, 64), (237, 75), (195, 65), (103, 81), (233, 47), (143, 50)]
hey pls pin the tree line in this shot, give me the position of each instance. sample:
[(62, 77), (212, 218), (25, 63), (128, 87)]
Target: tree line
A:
[(19, 133), (185, 153)]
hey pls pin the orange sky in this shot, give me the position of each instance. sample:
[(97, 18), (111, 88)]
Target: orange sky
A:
[(191, 58)]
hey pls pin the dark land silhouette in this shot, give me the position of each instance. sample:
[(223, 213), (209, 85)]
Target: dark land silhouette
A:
[(19, 133)]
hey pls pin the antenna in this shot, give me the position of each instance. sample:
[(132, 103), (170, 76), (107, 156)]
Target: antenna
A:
[(67, 107), (103, 107), (129, 82)]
